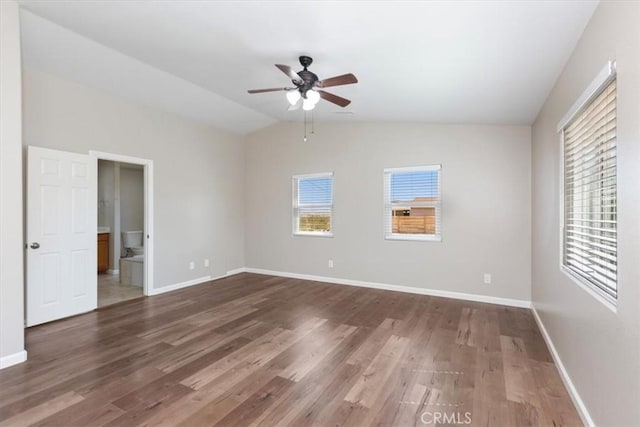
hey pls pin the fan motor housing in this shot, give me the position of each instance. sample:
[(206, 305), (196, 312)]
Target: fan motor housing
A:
[(308, 78)]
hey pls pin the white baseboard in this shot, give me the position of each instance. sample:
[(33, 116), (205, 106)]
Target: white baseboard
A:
[(113, 271), (237, 271), (573, 392), (397, 288), (176, 286), (193, 282), (13, 359)]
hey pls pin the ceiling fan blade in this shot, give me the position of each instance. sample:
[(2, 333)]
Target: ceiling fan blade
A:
[(345, 79), (273, 89), (338, 100), (289, 72)]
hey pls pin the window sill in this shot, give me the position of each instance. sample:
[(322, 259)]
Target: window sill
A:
[(414, 237), (597, 294), (312, 234)]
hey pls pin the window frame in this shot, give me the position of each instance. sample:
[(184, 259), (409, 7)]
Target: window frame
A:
[(606, 76), (295, 181), (387, 205)]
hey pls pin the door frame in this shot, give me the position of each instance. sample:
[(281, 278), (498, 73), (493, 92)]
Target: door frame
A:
[(148, 207)]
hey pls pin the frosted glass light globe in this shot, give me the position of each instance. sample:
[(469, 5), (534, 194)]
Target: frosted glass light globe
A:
[(307, 104), (293, 96), (313, 96)]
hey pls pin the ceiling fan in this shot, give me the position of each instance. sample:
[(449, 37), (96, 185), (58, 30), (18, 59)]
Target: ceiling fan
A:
[(308, 87)]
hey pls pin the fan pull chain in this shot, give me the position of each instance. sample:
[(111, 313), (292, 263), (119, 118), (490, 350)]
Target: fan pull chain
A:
[(313, 132), (305, 127)]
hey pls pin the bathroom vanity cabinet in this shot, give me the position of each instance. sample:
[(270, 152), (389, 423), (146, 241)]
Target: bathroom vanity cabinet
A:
[(103, 252)]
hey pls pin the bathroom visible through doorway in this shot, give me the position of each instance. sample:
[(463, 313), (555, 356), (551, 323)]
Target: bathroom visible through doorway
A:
[(124, 252)]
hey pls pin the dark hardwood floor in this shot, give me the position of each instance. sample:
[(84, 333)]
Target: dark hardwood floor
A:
[(262, 350)]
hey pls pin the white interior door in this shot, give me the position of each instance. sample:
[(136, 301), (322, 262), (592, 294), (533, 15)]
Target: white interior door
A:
[(61, 235)]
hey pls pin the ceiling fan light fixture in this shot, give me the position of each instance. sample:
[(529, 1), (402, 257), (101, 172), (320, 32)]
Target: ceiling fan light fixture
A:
[(313, 96), (306, 82), (307, 104), (293, 96)]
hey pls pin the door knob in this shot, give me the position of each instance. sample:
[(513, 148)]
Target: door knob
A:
[(35, 245)]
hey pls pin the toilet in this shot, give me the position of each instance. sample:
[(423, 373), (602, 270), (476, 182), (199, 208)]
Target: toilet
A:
[(132, 264), (132, 243)]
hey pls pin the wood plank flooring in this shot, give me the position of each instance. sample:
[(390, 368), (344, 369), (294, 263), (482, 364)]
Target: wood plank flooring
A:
[(254, 350)]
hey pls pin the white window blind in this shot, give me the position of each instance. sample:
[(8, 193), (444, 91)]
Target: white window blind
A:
[(313, 204), (590, 188), (412, 203)]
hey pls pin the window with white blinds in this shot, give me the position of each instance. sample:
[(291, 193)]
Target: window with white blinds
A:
[(590, 207), (412, 203), (313, 204)]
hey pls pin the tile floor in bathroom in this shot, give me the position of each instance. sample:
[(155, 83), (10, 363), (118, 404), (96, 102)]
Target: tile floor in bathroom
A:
[(111, 291)]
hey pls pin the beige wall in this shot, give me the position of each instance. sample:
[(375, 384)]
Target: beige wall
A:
[(600, 349), (486, 204), (11, 243), (106, 193), (198, 177), (131, 199)]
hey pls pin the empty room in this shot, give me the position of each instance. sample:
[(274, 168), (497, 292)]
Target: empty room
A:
[(319, 213)]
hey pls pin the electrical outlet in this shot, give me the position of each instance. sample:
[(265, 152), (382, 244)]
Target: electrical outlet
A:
[(330, 263), (192, 265), (206, 262), (487, 278)]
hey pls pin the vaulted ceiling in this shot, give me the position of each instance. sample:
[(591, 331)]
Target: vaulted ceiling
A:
[(487, 62)]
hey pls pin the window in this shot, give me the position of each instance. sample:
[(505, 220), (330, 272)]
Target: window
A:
[(412, 203), (589, 227), (313, 204)]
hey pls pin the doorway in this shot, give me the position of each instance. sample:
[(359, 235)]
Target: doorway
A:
[(125, 218)]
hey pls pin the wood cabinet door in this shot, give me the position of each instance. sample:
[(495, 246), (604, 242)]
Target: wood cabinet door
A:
[(103, 252)]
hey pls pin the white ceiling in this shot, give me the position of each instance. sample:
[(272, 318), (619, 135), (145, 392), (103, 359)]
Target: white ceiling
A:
[(491, 62)]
